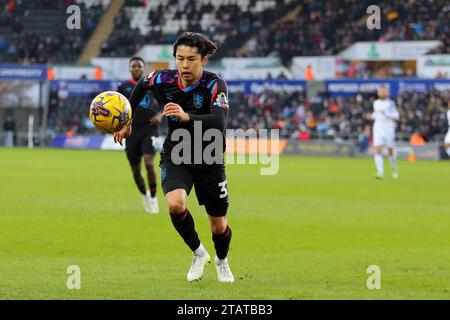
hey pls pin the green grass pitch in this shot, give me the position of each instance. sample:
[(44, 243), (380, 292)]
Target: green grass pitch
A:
[(309, 232)]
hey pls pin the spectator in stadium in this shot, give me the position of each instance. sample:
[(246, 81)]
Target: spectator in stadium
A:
[(309, 73), (282, 76), (417, 139), (364, 139), (11, 6), (441, 75), (9, 127), (351, 71)]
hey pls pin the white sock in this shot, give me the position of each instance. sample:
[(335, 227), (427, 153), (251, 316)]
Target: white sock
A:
[(200, 251), (219, 261), (393, 162), (379, 163), (147, 193)]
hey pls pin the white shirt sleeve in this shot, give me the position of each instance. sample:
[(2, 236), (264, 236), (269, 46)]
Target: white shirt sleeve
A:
[(392, 112)]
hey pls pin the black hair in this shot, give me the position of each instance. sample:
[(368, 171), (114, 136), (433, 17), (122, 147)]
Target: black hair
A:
[(204, 46), (136, 58)]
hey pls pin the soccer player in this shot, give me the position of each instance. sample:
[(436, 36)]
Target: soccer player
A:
[(139, 144), (193, 99), (447, 136), (385, 114)]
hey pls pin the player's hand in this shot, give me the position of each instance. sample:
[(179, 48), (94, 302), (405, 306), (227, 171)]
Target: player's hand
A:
[(122, 134), (156, 119), (173, 109)]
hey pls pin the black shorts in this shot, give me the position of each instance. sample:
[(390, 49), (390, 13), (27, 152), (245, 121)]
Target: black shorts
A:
[(210, 184), (139, 143)]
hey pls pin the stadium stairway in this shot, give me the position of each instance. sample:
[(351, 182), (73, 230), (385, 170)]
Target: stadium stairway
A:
[(102, 32)]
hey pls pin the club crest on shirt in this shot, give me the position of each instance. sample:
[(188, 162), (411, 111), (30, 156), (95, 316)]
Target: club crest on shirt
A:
[(222, 101), (198, 100)]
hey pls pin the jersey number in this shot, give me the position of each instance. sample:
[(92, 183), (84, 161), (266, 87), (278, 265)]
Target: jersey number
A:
[(223, 189)]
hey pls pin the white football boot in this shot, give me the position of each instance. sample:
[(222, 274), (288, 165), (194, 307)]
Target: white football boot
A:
[(379, 176), (153, 205), (198, 265), (223, 270), (146, 200)]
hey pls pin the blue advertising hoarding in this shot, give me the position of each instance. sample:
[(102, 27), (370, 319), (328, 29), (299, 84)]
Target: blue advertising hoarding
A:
[(86, 87), (335, 88), (78, 142), (82, 88), (350, 87), (257, 86), (17, 72)]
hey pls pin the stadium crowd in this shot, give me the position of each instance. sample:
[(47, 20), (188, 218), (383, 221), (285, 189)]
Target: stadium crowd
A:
[(242, 28), (327, 27), (35, 31), (321, 27), (225, 22)]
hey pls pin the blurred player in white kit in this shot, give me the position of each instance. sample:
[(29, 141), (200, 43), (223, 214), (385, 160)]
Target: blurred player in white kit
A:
[(384, 115), (447, 136)]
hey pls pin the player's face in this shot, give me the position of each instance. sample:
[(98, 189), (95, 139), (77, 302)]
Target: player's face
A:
[(136, 69), (190, 64), (382, 93)]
